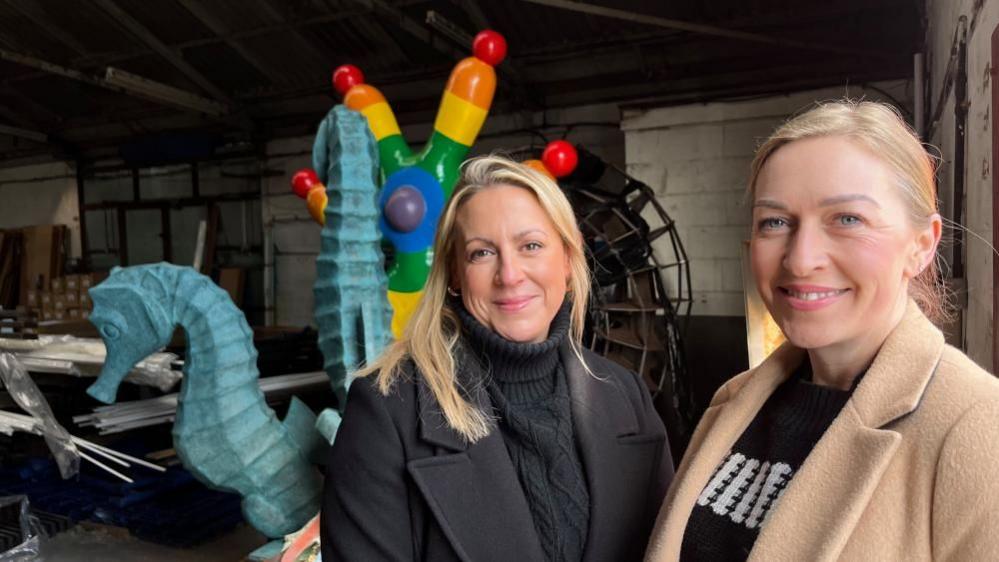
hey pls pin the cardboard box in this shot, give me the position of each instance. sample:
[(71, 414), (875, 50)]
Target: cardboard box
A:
[(71, 283), (88, 280)]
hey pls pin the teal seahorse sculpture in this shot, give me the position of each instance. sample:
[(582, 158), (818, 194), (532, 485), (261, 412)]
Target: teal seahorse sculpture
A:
[(352, 310), (224, 433)]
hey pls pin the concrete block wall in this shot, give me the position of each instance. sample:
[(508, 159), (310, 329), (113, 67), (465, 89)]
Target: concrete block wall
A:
[(696, 158), (978, 329)]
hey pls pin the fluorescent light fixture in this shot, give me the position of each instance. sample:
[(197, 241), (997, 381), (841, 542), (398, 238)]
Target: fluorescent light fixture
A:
[(23, 133), (162, 93)]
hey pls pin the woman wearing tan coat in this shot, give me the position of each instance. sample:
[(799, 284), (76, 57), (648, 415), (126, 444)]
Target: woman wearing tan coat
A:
[(865, 436)]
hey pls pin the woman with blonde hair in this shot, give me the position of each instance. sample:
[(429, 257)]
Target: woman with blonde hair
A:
[(487, 432), (865, 436)]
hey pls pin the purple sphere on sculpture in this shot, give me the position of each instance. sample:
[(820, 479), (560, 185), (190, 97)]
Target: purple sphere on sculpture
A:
[(405, 209)]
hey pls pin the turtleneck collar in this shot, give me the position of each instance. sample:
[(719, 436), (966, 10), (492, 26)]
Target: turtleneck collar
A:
[(524, 372)]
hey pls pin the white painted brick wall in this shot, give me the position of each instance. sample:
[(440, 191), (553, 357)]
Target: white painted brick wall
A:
[(696, 158)]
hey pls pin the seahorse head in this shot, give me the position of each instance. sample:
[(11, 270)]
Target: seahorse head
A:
[(131, 313)]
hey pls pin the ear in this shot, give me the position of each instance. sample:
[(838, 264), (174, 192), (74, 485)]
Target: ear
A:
[(925, 247)]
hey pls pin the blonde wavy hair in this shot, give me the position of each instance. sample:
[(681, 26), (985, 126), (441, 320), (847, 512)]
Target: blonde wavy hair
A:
[(881, 129), (433, 331)]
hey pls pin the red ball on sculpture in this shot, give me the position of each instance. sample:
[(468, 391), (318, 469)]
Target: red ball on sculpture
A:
[(489, 47), (303, 181), (346, 77), (560, 158)]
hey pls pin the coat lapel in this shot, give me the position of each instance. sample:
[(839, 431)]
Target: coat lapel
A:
[(473, 490), (826, 498), (619, 460), (712, 440)]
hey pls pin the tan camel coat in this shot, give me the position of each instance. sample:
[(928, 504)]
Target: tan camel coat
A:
[(909, 470)]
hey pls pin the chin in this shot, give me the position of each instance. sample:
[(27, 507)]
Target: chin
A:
[(812, 337)]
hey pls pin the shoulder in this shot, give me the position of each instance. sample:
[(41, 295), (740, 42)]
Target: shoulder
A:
[(623, 380), (966, 493), (965, 393), (398, 401), (962, 377), (612, 372)]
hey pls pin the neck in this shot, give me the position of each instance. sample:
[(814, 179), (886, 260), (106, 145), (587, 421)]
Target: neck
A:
[(524, 371), (838, 365)]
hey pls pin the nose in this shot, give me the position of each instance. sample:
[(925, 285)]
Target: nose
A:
[(806, 251), (511, 271)]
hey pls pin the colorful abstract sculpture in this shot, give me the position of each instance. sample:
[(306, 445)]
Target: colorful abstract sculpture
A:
[(416, 186), (224, 433)]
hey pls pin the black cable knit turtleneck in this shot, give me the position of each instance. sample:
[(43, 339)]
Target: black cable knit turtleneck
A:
[(528, 389)]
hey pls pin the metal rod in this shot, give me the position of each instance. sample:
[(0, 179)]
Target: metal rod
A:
[(105, 467)]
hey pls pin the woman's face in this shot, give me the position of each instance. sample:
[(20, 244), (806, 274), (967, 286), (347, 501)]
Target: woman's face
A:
[(510, 263), (832, 248)]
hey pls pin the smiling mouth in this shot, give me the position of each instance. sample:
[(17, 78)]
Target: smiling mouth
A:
[(812, 295), (513, 305)]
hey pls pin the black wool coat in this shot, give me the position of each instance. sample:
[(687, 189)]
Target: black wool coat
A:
[(402, 485)]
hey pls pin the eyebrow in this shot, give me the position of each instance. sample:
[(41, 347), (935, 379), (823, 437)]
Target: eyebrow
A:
[(846, 198), (835, 200), (518, 236)]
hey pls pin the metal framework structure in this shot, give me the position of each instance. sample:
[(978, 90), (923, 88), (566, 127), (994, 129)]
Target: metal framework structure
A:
[(258, 69)]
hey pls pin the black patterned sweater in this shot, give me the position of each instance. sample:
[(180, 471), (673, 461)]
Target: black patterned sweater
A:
[(748, 483), (528, 389)]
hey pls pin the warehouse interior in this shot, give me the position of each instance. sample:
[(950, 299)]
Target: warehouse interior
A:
[(136, 133)]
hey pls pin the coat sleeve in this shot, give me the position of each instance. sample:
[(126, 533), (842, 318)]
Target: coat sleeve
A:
[(365, 513), (966, 496)]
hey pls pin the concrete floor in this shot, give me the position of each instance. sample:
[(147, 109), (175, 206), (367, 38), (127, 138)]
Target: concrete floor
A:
[(87, 542)]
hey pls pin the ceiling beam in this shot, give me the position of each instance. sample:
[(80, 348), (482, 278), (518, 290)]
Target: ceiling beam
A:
[(413, 27), (668, 23), (33, 106), (305, 43), (147, 37), (200, 11), (18, 132), (34, 12), (125, 83)]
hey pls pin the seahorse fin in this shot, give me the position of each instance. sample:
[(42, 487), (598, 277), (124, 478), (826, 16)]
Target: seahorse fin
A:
[(301, 425), (327, 424)]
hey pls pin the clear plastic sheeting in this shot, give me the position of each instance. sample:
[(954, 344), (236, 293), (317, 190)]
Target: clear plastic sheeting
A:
[(30, 529), (24, 391), (84, 357)]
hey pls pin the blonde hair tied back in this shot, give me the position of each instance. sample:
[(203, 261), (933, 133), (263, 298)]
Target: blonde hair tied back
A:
[(881, 129)]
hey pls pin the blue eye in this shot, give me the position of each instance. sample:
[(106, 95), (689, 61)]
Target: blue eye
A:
[(771, 223), (849, 220), (478, 254)]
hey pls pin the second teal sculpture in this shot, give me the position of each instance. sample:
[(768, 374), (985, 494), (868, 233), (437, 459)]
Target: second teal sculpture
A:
[(352, 311)]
